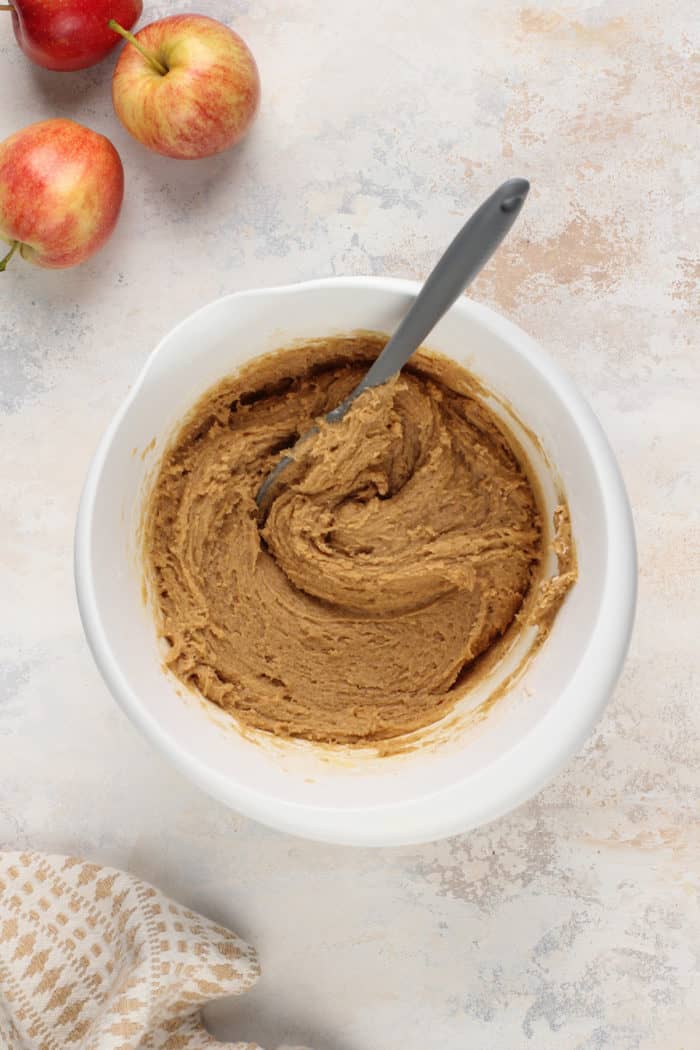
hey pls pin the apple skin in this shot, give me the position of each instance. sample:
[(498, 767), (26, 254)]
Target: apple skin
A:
[(207, 99), (61, 188), (70, 34)]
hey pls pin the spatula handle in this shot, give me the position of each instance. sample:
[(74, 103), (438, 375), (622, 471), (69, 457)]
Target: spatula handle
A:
[(467, 254)]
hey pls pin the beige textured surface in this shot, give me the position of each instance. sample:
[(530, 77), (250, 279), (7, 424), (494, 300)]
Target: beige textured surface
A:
[(574, 923)]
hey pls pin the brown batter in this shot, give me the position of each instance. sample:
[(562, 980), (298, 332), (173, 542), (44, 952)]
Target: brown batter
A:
[(399, 550)]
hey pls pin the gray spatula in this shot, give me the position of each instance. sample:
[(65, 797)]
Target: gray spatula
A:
[(467, 254)]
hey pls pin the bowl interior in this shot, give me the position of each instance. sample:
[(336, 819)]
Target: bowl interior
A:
[(344, 794)]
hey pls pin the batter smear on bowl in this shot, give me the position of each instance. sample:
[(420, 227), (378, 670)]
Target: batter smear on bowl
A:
[(400, 549)]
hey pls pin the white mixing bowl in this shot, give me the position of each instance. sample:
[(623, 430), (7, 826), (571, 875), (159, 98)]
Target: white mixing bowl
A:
[(469, 770)]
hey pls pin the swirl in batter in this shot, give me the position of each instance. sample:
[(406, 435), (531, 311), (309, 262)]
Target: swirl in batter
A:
[(399, 550)]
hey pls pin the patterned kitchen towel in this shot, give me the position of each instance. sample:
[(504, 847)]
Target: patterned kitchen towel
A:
[(95, 959)]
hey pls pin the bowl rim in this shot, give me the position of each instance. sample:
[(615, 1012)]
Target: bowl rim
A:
[(516, 774)]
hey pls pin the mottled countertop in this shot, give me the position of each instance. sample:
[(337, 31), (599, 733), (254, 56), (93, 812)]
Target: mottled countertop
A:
[(575, 922)]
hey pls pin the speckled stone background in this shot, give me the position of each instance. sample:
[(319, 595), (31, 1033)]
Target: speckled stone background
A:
[(573, 924)]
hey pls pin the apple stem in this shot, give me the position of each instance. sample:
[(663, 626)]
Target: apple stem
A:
[(158, 66), (7, 7), (4, 261)]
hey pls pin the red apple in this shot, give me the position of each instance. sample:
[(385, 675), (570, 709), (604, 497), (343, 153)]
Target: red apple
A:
[(186, 86), (69, 34), (61, 188)]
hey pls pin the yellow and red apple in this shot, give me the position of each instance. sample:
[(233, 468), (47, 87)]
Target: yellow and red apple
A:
[(186, 86), (61, 188)]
